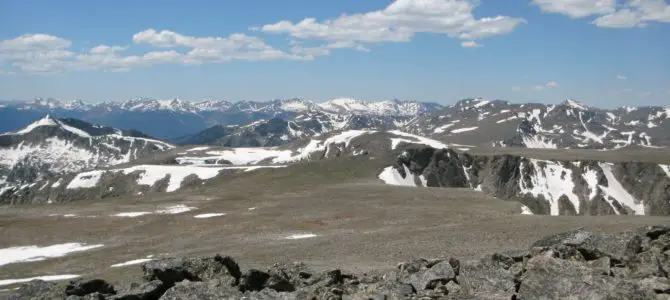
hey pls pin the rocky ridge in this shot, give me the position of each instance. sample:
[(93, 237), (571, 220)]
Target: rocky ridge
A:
[(194, 166), (278, 131), (572, 265), (569, 124), (555, 187)]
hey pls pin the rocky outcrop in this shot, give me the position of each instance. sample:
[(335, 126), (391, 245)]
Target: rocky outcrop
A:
[(572, 265), (556, 187)]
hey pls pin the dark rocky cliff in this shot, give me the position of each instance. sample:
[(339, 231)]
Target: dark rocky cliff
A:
[(554, 187)]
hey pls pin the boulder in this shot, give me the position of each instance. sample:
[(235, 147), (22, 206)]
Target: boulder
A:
[(481, 277), (85, 287), (172, 270), (39, 290), (548, 277), (146, 291), (439, 274), (188, 290)]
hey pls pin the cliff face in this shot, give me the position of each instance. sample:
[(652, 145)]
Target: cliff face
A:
[(556, 187)]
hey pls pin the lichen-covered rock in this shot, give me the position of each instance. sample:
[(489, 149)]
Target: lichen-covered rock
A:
[(188, 290)]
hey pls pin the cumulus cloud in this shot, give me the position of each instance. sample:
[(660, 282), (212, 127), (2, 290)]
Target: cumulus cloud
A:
[(621, 77), (470, 44), (609, 13), (577, 8), (42, 53), (549, 85), (399, 22)]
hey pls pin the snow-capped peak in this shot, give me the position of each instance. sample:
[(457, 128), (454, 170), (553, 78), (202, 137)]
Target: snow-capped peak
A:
[(46, 121), (384, 108), (296, 105), (574, 104), (49, 121), (213, 105)]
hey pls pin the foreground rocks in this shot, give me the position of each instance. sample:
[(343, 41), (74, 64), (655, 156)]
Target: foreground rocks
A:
[(571, 265)]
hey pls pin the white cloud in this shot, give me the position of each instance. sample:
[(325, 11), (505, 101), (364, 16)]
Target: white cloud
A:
[(399, 22), (627, 14), (516, 88), (41, 53), (621, 77), (33, 42), (577, 8), (102, 49), (470, 44), (549, 85)]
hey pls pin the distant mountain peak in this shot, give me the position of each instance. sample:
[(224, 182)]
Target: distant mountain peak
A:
[(574, 104)]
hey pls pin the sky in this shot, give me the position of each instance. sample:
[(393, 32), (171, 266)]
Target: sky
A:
[(600, 52)]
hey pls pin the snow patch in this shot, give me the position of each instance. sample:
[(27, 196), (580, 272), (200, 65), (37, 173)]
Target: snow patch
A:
[(526, 211), (46, 121), (132, 262), (391, 176), (666, 169), (4, 282), (417, 140), (464, 129), (85, 180), (300, 236), (618, 192), (210, 215), (551, 181), (537, 142), (132, 214), (197, 149), (150, 174), (37, 253), (175, 209)]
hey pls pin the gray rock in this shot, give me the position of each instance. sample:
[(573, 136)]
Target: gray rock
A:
[(484, 278), (171, 270), (253, 280), (269, 294), (617, 246), (146, 291), (600, 266), (39, 290), (646, 264), (189, 290), (298, 274), (439, 274), (552, 278), (85, 287), (92, 296)]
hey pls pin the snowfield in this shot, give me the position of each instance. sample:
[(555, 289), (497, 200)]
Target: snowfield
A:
[(150, 174), (37, 253), (391, 176)]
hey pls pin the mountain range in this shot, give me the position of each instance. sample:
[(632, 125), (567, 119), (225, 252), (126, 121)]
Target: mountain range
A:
[(176, 118), (491, 147)]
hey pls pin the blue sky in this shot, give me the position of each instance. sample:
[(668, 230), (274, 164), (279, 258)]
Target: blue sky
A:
[(600, 52)]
